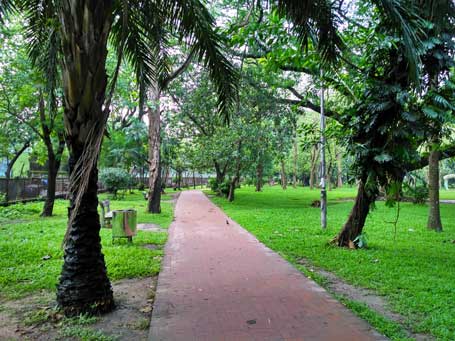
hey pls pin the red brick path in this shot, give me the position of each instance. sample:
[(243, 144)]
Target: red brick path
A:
[(219, 283)]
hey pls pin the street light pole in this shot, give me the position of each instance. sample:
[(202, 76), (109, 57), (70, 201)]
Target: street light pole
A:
[(323, 166)]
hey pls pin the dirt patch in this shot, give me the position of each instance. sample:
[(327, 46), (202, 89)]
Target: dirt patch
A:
[(35, 317), (150, 228), (174, 197), (375, 302)]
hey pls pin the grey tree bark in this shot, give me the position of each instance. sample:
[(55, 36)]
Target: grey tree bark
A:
[(154, 137), (434, 213)]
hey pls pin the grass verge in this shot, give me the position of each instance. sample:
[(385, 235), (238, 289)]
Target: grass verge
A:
[(31, 253)]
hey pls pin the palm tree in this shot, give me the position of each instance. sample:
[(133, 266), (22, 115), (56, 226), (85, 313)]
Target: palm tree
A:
[(83, 29)]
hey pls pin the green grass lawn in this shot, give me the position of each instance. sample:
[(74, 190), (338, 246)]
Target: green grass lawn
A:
[(414, 268), (25, 238)]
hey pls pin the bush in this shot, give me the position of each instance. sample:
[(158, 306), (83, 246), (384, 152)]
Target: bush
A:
[(140, 186), (221, 189), (418, 194), (114, 179)]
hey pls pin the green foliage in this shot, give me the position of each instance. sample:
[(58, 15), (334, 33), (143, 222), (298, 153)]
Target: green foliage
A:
[(219, 188), (418, 194), (361, 241), (115, 179)]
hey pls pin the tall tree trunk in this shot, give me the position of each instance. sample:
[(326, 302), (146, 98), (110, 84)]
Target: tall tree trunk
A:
[(294, 178), (339, 169), (434, 214), (259, 175), (314, 159), (194, 180), (154, 198), (356, 220), (54, 160), (236, 177), (9, 168), (179, 179), (84, 286), (166, 175), (329, 174), (220, 172), (52, 171), (284, 180)]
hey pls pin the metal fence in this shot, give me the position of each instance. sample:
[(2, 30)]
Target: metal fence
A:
[(24, 189), (35, 188)]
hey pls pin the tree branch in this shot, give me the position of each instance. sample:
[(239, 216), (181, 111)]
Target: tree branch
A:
[(165, 82)]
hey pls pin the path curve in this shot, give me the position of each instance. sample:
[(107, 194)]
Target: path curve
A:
[(218, 282)]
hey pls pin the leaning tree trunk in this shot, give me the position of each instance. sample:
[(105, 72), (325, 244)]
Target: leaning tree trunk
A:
[(284, 180), (356, 220), (84, 286), (434, 214), (259, 175), (9, 168), (154, 198)]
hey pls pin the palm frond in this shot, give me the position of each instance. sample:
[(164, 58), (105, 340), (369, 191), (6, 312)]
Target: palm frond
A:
[(191, 20), (43, 36), (143, 21), (315, 21), (5, 7), (402, 16)]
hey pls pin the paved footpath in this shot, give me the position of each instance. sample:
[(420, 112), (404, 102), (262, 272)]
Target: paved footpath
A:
[(218, 282)]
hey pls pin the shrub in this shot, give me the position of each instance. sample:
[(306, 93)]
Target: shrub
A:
[(114, 179), (220, 189), (418, 194)]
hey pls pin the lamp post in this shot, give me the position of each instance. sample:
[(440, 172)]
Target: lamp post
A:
[(323, 166)]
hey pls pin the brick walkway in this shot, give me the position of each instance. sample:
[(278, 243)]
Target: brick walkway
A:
[(219, 283)]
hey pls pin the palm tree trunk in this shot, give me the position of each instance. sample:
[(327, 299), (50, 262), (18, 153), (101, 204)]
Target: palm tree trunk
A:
[(154, 199), (434, 214), (84, 286)]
